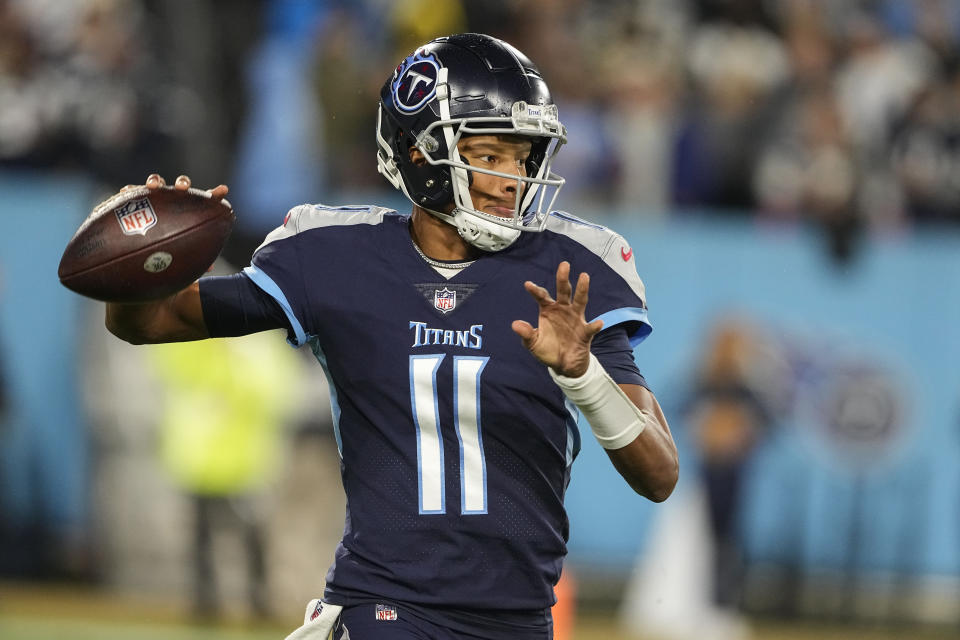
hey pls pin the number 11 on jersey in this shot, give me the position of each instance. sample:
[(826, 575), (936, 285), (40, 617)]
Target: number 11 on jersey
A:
[(466, 416)]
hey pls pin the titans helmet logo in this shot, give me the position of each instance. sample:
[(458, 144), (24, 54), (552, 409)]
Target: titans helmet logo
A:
[(415, 81)]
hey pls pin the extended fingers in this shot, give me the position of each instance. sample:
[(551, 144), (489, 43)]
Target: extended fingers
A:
[(541, 295), (563, 282), (155, 181), (593, 328), (566, 294), (218, 192), (182, 183), (523, 329), (583, 289)]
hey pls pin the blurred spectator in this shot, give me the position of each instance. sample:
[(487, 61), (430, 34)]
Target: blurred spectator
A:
[(335, 65), (807, 170), (226, 402), (20, 121), (641, 82), (548, 32), (281, 155), (728, 415), (877, 80), (414, 22), (935, 22), (926, 152), (70, 89), (734, 68), (195, 91), (85, 87)]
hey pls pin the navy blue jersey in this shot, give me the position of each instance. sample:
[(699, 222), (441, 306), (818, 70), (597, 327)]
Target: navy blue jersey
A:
[(455, 444)]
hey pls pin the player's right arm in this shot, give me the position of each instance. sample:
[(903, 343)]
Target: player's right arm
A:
[(177, 318)]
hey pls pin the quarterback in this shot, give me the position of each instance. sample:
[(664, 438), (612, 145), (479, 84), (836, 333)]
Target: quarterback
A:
[(462, 341)]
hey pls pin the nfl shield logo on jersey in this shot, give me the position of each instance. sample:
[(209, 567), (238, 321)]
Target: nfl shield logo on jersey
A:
[(445, 300), (386, 612), (136, 217)]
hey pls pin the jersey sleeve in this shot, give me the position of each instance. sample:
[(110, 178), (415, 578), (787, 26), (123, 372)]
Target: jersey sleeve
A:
[(234, 306), (277, 269), (612, 348)]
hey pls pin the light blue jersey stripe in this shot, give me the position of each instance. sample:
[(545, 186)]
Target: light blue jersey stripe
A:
[(573, 433), (266, 283), (628, 314), (334, 401)]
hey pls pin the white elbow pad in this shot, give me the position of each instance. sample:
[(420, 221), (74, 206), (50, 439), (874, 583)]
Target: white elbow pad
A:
[(613, 417)]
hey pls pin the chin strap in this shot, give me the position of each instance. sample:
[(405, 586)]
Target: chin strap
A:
[(486, 236)]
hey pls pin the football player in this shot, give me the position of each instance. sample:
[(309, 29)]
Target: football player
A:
[(457, 377)]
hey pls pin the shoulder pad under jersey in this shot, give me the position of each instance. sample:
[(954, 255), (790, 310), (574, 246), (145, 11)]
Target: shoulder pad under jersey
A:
[(602, 241)]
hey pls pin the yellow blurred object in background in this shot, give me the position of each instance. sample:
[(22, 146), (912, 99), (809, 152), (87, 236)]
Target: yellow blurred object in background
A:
[(224, 405)]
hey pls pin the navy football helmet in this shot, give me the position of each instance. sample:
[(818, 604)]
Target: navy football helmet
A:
[(461, 85)]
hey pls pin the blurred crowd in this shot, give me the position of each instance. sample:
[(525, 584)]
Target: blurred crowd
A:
[(113, 87), (840, 112)]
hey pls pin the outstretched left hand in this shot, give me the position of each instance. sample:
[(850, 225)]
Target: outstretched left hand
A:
[(562, 338)]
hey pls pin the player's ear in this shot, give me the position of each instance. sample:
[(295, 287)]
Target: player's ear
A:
[(417, 157)]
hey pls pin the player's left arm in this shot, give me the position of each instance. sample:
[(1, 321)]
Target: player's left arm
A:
[(649, 462), (625, 418)]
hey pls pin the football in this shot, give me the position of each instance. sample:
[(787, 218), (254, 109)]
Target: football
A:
[(144, 245)]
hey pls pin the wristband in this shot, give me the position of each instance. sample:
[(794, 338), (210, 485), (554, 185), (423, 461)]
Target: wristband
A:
[(614, 419)]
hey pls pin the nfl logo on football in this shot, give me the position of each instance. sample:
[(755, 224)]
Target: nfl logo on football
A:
[(136, 217), (445, 300), (386, 612)]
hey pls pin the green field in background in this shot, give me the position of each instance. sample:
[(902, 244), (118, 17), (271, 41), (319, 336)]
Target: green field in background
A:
[(46, 612), (17, 628), (13, 627)]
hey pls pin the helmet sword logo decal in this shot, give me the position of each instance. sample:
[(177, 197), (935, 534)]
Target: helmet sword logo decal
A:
[(415, 81)]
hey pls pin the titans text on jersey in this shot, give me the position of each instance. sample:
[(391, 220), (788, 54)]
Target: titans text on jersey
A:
[(425, 335)]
